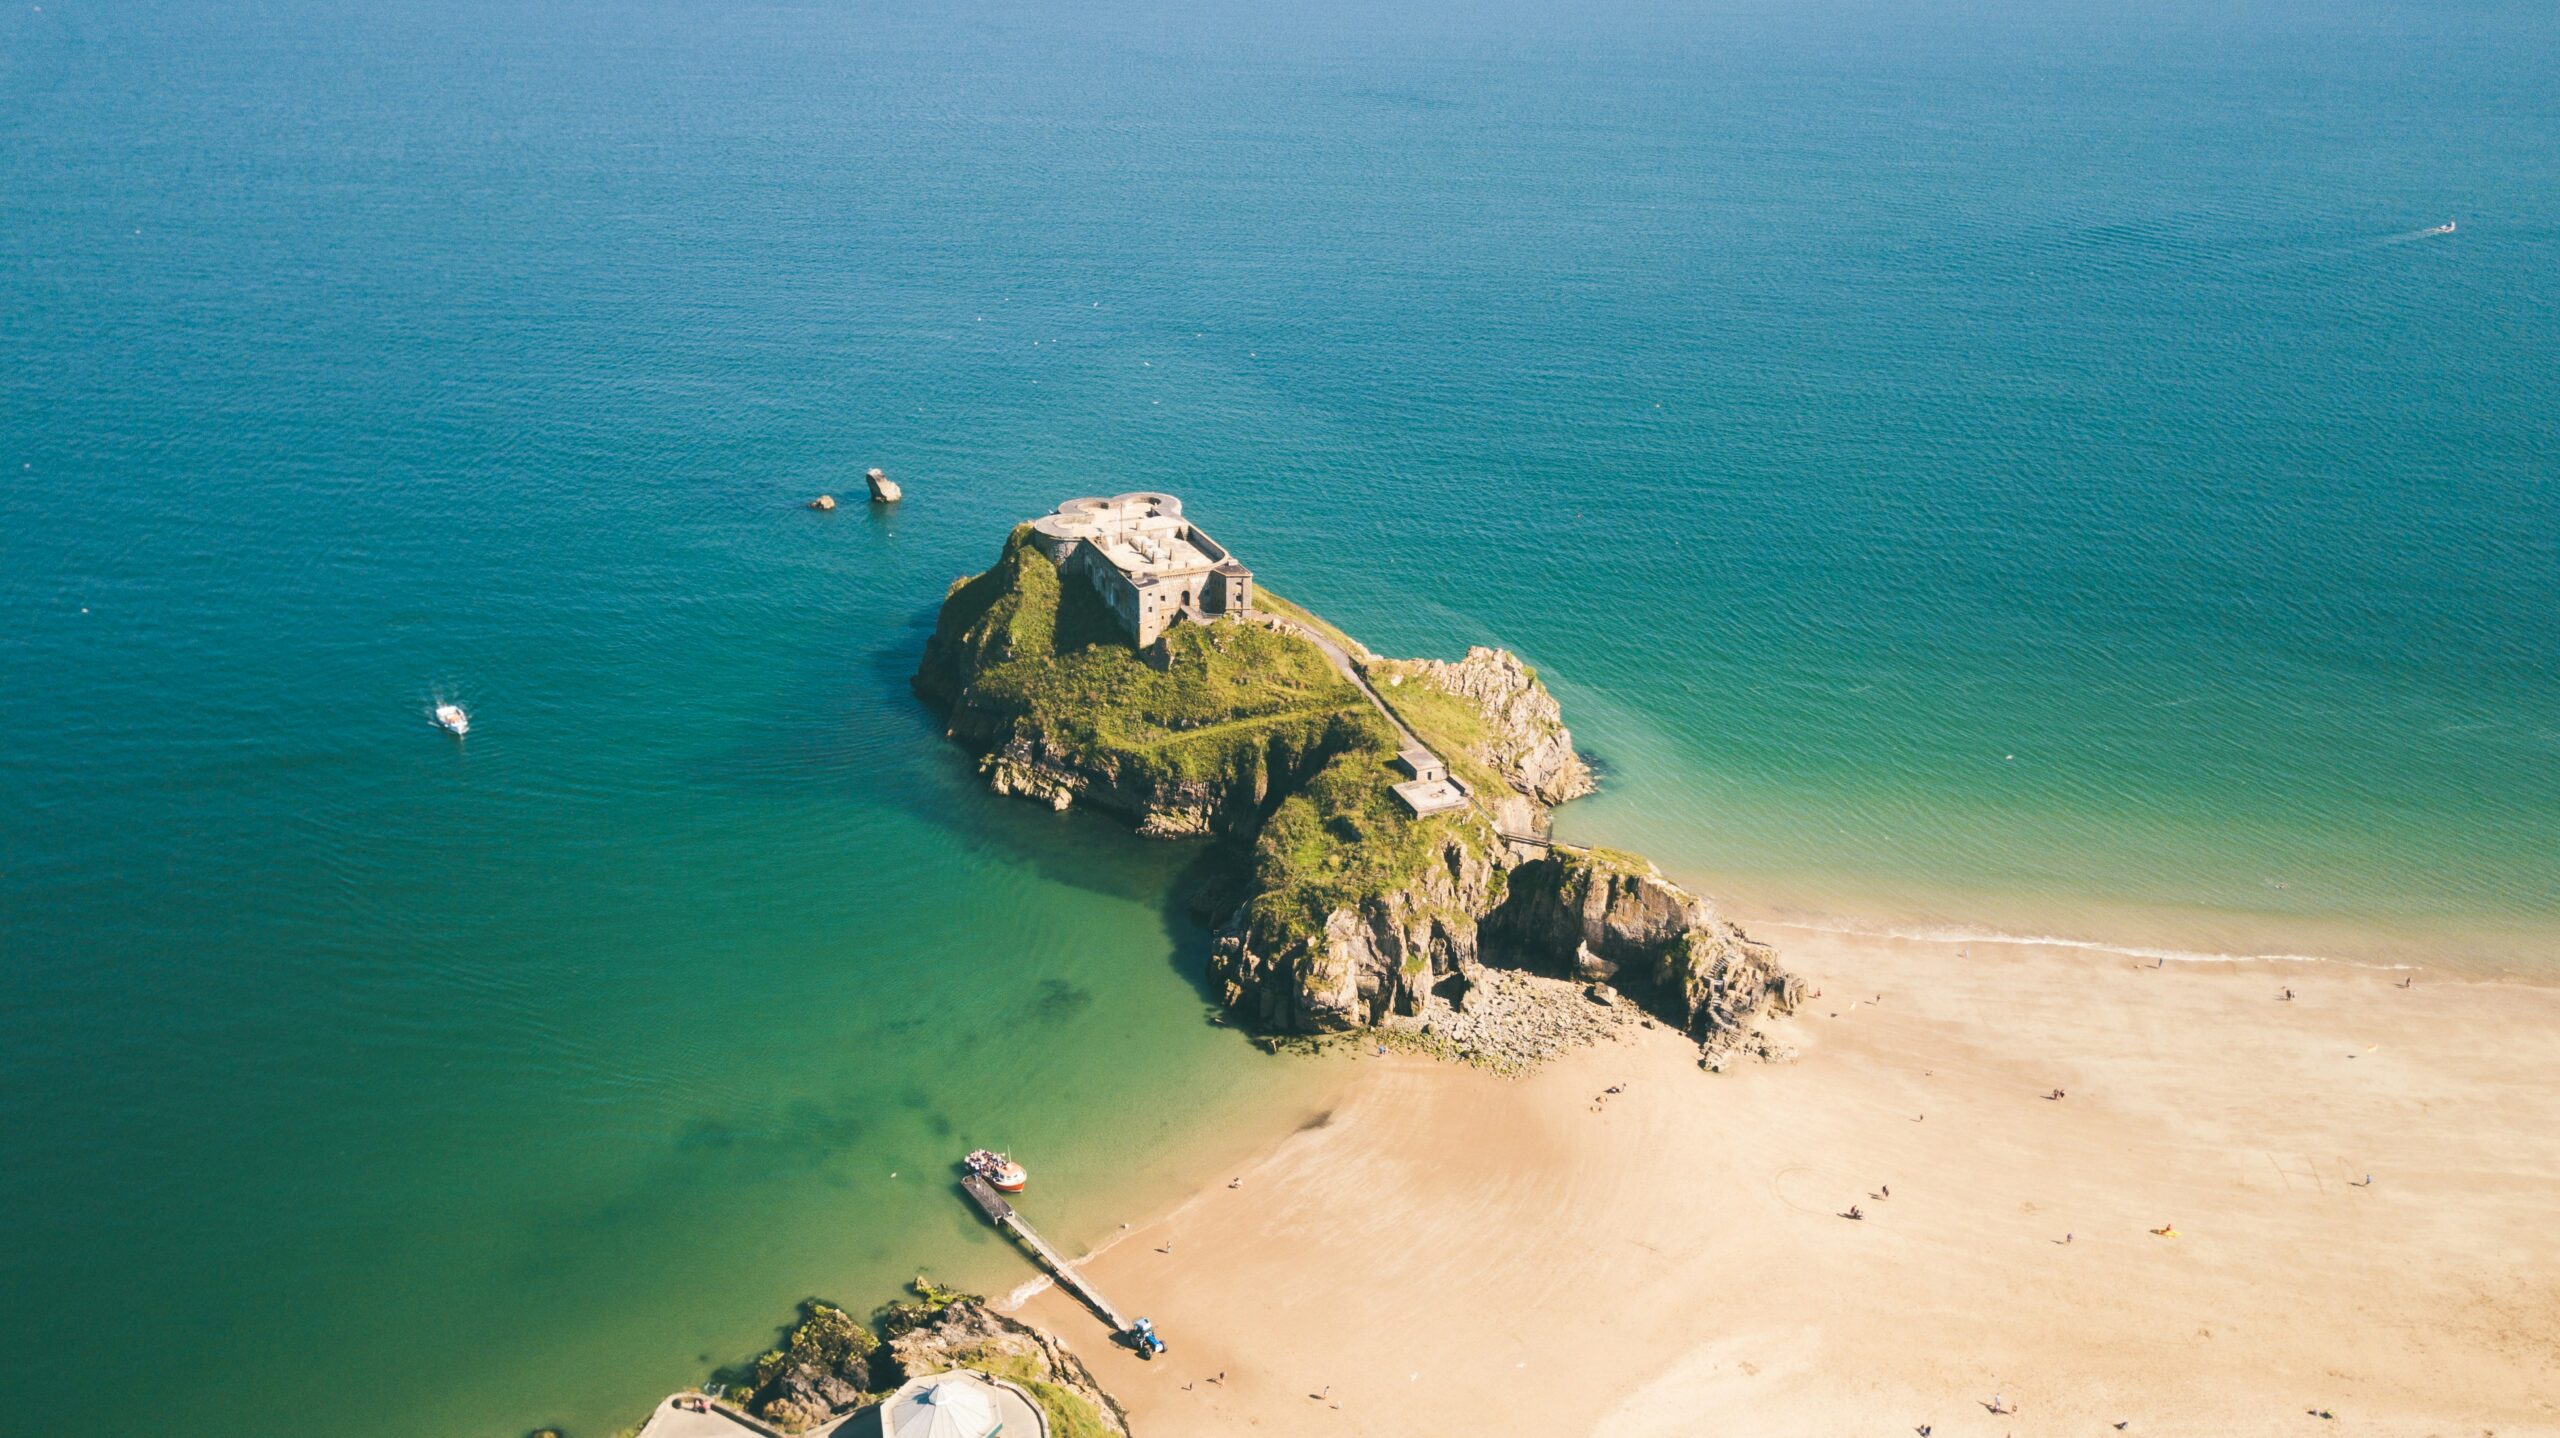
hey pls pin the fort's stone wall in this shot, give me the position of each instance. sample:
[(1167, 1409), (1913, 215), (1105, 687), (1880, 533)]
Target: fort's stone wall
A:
[(1149, 563)]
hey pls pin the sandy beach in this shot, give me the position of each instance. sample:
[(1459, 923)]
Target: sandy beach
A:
[(1449, 1252)]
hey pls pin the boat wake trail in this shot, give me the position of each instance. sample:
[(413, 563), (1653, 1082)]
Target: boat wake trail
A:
[(2426, 234)]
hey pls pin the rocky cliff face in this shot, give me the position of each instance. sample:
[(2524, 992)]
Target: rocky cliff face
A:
[(1032, 766), (1375, 951), (1614, 919), (1525, 740)]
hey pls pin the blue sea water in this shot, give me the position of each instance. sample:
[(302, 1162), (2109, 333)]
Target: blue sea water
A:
[(2006, 466)]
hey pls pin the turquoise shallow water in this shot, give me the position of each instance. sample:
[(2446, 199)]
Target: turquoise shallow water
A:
[(1990, 466)]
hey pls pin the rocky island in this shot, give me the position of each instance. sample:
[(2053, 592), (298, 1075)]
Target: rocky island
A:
[(1387, 819)]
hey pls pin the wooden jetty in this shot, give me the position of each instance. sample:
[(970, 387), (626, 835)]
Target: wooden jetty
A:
[(1001, 1214)]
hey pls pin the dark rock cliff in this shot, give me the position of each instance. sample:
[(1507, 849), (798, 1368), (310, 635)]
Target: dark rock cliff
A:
[(1367, 954), (1613, 919)]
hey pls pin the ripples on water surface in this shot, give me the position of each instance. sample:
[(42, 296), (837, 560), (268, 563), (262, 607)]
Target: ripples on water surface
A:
[(2014, 467)]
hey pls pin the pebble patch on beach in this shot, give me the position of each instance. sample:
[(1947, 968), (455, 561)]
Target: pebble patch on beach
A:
[(1513, 1022)]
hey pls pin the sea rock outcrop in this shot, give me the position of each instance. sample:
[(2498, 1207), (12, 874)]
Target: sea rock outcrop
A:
[(1363, 952), (884, 490), (1613, 918), (824, 501), (824, 1367), (1524, 738)]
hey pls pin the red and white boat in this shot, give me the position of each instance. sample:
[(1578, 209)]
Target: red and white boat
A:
[(999, 1170)]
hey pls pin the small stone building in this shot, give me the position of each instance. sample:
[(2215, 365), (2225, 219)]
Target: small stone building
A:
[(1149, 564), (1430, 790)]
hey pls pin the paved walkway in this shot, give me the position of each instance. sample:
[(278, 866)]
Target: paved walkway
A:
[(670, 1421), (1341, 660)]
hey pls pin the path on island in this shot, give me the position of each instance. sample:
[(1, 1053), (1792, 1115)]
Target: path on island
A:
[(1341, 661)]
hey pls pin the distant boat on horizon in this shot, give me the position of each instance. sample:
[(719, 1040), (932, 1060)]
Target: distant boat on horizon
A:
[(2444, 229)]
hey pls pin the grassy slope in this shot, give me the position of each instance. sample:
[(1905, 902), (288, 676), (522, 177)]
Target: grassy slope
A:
[(1450, 725), (1454, 728), (1264, 599), (1049, 653), (1069, 1414), (1344, 838)]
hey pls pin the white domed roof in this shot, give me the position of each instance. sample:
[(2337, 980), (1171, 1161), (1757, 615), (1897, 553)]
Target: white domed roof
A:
[(947, 1405)]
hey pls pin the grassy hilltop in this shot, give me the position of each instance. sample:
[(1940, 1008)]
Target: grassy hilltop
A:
[(1247, 721)]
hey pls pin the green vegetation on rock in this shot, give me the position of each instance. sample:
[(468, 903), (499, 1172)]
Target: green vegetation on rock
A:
[(1022, 653), (1448, 724), (823, 1367), (830, 1362), (1026, 657), (1344, 838), (903, 1316), (1069, 1414)]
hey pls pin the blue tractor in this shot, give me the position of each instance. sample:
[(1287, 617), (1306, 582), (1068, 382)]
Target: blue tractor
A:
[(1142, 1336)]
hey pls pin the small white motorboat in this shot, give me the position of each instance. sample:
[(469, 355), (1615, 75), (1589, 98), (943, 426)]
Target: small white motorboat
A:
[(452, 719), (999, 1170)]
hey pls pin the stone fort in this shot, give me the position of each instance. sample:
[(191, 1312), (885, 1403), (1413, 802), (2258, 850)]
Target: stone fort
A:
[(1149, 564)]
